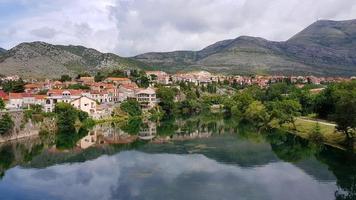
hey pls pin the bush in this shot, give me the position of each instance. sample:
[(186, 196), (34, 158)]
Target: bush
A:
[(316, 135), (132, 107), (6, 124)]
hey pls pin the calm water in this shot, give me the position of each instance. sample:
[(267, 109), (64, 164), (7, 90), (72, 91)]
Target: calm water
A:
[(186, 159)]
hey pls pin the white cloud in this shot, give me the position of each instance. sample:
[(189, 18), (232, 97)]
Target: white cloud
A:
[(129, 27)]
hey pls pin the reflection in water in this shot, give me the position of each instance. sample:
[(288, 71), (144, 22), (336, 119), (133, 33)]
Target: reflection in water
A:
[(135, 175), (199, 158)]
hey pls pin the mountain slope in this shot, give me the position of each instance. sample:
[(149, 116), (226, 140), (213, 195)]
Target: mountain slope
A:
[(2, 50), (323, 48), (39, 59)]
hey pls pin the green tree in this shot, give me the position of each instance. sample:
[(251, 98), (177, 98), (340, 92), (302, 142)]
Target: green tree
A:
[(345, 113), (143, 81), (131, 107), (66, 117), (99, 77), (65, 78), (6, 124), (2, 104), (257, 114), (166, 96), (78, 87), (285, 111)]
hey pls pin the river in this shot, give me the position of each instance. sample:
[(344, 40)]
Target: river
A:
[(197, 158)]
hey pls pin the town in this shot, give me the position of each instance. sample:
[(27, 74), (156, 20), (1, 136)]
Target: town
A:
[(99, 97)]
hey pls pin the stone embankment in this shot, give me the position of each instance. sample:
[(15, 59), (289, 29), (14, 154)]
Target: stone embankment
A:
[(22, 127)]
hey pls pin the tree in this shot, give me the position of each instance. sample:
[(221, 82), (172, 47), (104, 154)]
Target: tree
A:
[(99, 77), (345, 113), (78, 87), (277, 91), (14, 86), (2, 104), (257, 114), (66, 117), (6, 124), (143, 81), (166, 96), (285, 111), (131, 107), (65, 78)]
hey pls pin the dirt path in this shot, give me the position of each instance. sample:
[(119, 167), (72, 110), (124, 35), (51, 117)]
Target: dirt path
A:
[(320, 122)]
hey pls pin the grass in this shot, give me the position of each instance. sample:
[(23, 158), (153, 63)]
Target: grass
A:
[(305, 129), (117, 119)]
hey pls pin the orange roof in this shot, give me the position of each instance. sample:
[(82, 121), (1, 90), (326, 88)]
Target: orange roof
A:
[(16, 95), (60, 92), (39, 97), (129, 85)]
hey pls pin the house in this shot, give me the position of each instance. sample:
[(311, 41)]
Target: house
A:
[(15, 101), (117, 81), (146, 97), (101, 96), (86, 79), (158, 77), (33, 88), (58, 95), (85, 104), (127, 91)]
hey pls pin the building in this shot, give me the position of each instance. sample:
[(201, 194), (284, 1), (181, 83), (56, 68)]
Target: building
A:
[(117, 81), (146, 97), (24, 100), (158, 77), (127, 91), (86, 79), (85, 104), (58, 95)]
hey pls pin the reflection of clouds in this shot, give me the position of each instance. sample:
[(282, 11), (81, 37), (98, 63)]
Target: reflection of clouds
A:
[(136, 175)]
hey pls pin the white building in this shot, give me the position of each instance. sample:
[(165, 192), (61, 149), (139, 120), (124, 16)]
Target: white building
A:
[(85, 104), (146, 97), (58, 95)]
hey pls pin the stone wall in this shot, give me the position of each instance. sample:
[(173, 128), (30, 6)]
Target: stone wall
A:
[(21, 128)]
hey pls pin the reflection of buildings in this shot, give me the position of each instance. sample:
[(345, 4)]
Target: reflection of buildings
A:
[(105, 134), (148, 131), (181, 135), (88, 140)]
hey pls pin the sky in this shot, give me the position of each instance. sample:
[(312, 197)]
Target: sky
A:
[(131, 27)]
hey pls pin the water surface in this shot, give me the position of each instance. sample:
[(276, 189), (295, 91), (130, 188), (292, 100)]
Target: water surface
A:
[(193, 160)]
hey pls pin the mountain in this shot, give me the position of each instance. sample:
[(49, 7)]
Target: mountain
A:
[(2, 50), (39, 60), (324, 48)]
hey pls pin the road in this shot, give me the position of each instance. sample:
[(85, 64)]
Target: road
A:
[(320, 122)]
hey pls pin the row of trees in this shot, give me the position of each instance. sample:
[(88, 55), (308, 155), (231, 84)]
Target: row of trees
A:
[(280, 103)]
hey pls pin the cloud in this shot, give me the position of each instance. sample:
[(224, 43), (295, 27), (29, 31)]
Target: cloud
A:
[(137, 175), (44, 32), (130, 27)]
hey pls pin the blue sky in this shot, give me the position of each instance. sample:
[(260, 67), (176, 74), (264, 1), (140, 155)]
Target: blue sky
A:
[(130, 27)]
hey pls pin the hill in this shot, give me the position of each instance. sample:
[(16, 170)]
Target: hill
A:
[(39, 59), (323, 48), (2, 50)]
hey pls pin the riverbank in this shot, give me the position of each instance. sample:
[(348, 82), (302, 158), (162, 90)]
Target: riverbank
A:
[(327, 130)]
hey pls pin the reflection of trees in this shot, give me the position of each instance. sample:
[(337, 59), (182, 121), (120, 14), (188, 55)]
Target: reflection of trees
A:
[(291, 148), (343, 165), (6, 159), (132, 126), (68, 139), (18, 152)]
